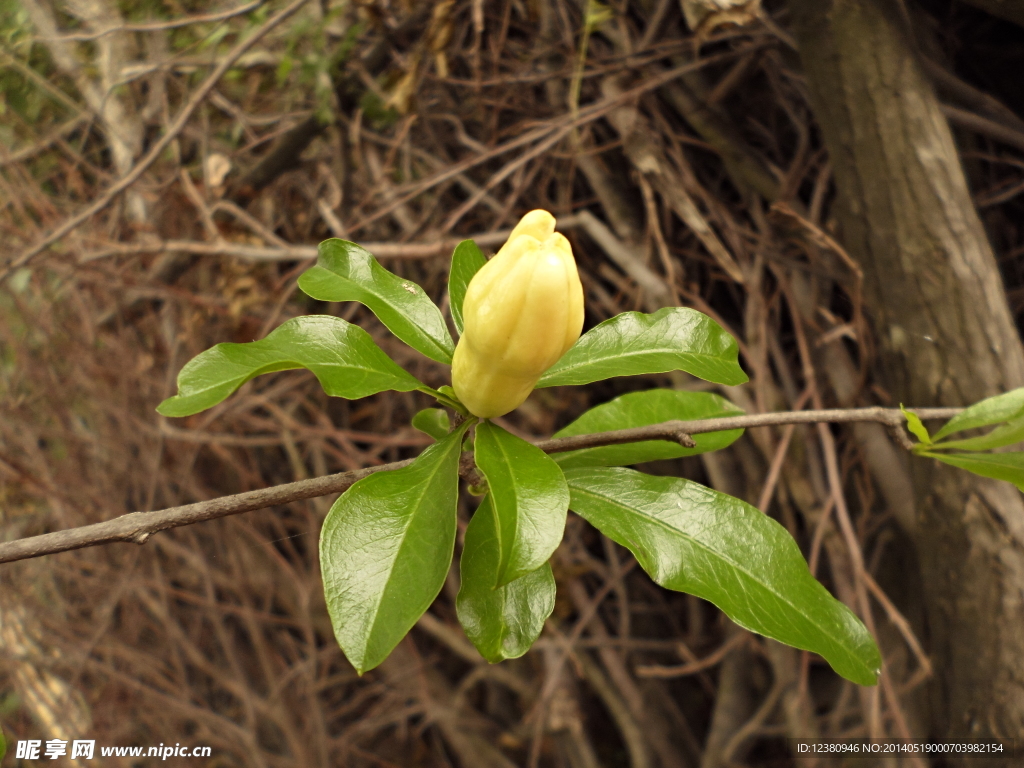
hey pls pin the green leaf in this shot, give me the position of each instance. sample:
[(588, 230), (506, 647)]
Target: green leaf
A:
[(916, 426), (446, 396), (529, 498), (3, 741), (693, 539), (466, 261), (433, 421), (640, 409), (343, 357), (448, 392), (633, 343), (346, 272), (999, 466), (502, 623), (385, 549), (1008, 434), (992, 410)]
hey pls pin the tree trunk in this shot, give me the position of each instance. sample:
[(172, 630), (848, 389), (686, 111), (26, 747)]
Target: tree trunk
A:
[(946, 336)]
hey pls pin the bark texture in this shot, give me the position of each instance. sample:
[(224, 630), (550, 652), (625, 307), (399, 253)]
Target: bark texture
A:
[(946, 336)]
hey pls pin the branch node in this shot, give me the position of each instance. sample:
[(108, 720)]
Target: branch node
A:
[(684, 439), (141, 537), (900, 436)]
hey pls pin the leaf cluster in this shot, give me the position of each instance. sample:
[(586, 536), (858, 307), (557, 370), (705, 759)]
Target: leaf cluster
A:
[(388, 542), (979, 454)]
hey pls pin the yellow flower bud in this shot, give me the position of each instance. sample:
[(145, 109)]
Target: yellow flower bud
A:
[(522, 312)]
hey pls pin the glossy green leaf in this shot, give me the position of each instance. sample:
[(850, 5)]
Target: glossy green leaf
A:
[(466, 261), (671, 339), (529, 498), (502, 623), (991, 410), (3, 741), (693, 539), (448, 392), (1008, 434), (433, 421), (344, 358), (999, 466), (385, 550), (446, 396), (347, 272), (916, 426), (640, 409)]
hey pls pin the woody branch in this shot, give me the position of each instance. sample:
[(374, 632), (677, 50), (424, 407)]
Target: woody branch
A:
[(137, 527)]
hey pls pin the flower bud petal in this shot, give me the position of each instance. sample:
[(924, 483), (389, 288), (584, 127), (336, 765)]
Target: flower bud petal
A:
[(522, 311), (538, 224)]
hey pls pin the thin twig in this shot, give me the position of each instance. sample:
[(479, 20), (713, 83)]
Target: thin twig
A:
[(900, 622), (222, 247), (43, 143), (984, 126), (139, 526), (693, 667), (157, 26), (754, 724), (673, 430), (775, 468)]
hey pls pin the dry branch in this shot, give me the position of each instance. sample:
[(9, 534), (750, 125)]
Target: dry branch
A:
[(424, 250), (139, 526)]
